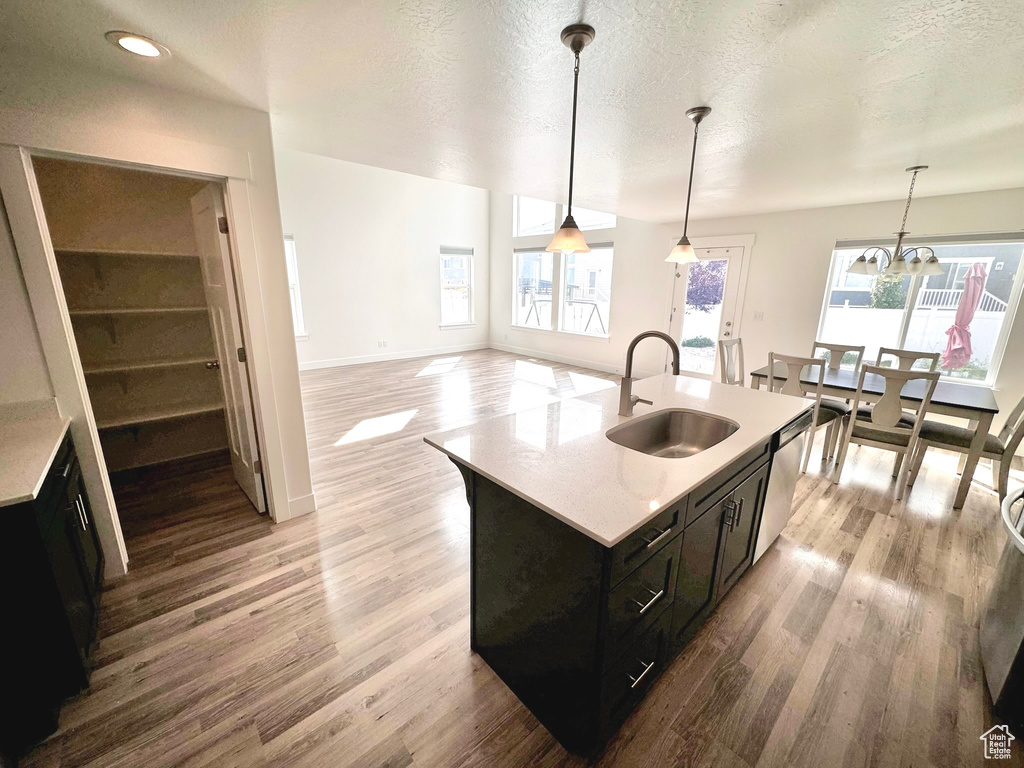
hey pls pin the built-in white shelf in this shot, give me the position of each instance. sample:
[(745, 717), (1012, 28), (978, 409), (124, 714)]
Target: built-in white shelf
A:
[(114, 311), (157, 416), (123, 254), (144, 365)]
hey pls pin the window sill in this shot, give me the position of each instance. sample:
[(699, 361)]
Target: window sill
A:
[(455, 326), (304, 337)]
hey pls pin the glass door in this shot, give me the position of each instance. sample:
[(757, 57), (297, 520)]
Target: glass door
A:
[(704, 307)]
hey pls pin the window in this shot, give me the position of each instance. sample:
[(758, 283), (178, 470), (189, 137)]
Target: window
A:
[(587, 294), (916, 312), (532, 217), (531, 304), (456, 286), (587, 219), (291, 260)]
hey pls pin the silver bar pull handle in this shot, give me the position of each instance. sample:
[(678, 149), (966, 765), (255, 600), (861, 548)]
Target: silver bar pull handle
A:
[(661, 535), (647, 668), (657, 596), (81, 511)]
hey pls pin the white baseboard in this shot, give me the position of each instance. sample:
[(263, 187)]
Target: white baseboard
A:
[(302, 505), (577, 361), (338, 362)]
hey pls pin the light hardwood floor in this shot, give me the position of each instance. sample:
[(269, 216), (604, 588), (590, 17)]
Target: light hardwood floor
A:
[(341, 638)]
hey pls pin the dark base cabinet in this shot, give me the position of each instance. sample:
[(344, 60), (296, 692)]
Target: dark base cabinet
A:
[(580, 631), (52, 566)]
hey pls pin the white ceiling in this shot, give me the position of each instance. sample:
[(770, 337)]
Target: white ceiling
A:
[(815, 102)]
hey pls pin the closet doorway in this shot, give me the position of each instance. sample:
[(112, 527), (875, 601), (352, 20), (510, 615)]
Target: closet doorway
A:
[(146, 271)]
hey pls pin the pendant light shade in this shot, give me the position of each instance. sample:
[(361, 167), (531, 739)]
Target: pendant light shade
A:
[(569, 239), (683, 253), (931, 266), (859, 266)]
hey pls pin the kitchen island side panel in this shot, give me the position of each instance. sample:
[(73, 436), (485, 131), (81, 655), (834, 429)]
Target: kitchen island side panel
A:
[(536, 599)]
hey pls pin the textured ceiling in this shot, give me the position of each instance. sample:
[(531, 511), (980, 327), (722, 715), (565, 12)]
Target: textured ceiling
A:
[(815, 103)]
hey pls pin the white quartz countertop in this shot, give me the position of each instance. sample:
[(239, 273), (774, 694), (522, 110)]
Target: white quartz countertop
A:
[(30, 434), (558, 458)]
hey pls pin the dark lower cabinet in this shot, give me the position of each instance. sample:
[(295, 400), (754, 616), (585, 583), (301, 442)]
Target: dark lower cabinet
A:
[(53, 564), (580, 631)]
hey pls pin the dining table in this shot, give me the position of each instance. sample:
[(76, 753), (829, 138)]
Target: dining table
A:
[(973, 402)]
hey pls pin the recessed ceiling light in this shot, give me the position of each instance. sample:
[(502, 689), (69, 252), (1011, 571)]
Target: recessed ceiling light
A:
[(137, 44)]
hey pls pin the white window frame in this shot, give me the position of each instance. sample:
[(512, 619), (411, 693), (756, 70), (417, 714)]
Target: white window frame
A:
[(564, 265), (555, 285), (294, 290), (450, 250), (916, 281)]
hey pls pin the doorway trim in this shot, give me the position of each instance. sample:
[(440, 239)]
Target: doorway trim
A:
[(35, 252), (746, 242)]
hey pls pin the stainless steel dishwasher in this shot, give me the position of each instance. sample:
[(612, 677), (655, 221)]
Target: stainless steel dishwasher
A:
[(778, 500)]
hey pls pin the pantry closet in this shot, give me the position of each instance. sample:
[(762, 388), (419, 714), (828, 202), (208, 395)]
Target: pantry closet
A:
[(142, 297)]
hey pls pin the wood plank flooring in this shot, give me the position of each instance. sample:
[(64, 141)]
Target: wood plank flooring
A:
[(341, 638)]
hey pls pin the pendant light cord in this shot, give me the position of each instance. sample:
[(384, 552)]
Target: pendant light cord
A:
[(572, 142), (689, 188)]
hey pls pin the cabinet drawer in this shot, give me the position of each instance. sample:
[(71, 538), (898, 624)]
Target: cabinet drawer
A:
[(720, 486), (634, 550), (50, 498), (638, 601), (630, 677)]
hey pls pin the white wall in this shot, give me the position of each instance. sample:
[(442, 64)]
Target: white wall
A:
[(641, 293), (789, 265), (23, 373), (91, 114), (367, 242)]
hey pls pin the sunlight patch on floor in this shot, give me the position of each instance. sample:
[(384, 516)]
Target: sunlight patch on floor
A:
[(534, 373), (377, 426), (584, 384), (441, 365)]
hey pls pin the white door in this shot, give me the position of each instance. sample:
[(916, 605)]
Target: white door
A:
[(222, 300), (704, 307)]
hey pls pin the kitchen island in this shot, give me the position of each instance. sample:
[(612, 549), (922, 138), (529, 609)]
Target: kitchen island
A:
[(592, 562)]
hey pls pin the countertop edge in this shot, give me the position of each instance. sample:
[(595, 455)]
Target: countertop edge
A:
[(9, 501)]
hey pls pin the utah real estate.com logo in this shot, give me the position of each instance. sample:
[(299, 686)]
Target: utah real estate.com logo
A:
[(997, 742)]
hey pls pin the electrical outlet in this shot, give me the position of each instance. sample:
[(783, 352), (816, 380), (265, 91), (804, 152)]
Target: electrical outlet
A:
[(385, 343), (758, 317)]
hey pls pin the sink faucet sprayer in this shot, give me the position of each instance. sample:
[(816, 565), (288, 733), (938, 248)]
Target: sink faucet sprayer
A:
[(626, 397)]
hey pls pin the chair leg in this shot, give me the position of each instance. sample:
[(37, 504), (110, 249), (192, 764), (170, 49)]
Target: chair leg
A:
[(807, 450), (918, 460), (901, 482), (836, 434), (1004, 476), (897, 464), (837, 471)]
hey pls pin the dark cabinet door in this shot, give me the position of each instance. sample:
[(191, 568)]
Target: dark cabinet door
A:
[(84, 532), (741, 511), (695, 584), (75, 593)]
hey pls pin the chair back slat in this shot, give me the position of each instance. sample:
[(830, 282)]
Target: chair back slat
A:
[(905, 358), (730, 356), (888, 409), (795, 366), (836, 352), (1014, 422)]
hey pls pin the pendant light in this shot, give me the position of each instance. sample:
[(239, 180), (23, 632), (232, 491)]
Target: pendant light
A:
[(569, 239), (683, 251), (897, 261)]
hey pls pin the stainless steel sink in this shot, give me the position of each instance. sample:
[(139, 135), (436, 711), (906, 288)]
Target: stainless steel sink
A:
[(673, 433)]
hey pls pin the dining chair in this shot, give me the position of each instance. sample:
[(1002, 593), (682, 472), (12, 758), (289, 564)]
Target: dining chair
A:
[(999, 448), (730, 358), (836, 353), (792, 385), (885, 425), (906, 358)]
